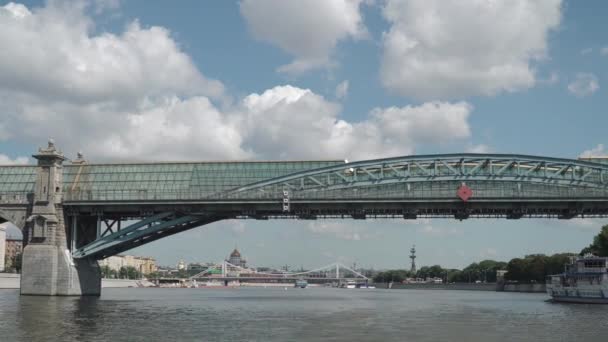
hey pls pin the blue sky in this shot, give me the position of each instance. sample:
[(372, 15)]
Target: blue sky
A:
[(269, 79)]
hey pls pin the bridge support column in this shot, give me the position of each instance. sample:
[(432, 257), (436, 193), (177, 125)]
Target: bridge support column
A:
[(50, 271), (47, 265)]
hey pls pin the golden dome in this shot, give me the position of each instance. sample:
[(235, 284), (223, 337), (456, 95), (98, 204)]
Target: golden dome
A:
[(235, 254)]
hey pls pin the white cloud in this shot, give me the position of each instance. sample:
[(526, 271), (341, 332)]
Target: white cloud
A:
[(604, 51), (6, 160), (584, 84), (138, 96), (106, 4), (291, 122), (51, 53), (340, 230), (583, 224), (488, 253), (431, 122), (308, 30), (439, 49), (481, 148), (342, 89), (439, 231), (586, 51), (597, 151), (238, 227)]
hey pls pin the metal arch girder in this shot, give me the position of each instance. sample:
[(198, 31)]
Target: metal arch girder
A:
[(15, 216), (448, 167), (387, 181), (159, 234), (4, 217), (155, 224)]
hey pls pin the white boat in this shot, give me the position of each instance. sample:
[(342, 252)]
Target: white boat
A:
[(585, 280)]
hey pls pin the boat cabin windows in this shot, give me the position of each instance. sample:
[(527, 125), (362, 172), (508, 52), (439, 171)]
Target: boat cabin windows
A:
[(594, 263)]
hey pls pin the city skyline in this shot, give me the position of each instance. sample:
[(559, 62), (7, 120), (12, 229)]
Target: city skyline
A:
[(246, 84)]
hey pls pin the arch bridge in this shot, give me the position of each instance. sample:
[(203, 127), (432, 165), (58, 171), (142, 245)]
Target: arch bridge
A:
[(77, 213)]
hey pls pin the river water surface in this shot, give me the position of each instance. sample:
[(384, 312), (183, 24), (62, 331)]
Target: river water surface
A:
[(313, 314)]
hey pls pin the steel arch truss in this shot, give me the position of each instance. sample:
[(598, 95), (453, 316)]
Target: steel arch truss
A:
[(147, 230), (462, 168)]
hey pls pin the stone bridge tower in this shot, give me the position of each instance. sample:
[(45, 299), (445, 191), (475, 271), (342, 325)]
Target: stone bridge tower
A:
[(47, 264)]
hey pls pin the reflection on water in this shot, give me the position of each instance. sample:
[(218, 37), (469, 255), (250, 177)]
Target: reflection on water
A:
[(256, 314)]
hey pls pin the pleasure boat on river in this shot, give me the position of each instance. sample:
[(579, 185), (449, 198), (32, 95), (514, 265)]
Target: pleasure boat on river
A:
[(585, 280)]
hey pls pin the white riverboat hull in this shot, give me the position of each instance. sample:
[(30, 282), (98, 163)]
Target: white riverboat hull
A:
[(585, 280), (580, 300)]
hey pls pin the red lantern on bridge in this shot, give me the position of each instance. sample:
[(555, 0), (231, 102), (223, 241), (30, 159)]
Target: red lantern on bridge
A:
[(464, 192)]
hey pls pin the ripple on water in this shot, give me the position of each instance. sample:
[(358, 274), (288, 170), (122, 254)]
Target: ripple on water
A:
[(257, 314)]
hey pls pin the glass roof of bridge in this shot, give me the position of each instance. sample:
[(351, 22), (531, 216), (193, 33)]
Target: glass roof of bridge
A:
[(167, 177), (162, 177), (202, 177), (17, 178)]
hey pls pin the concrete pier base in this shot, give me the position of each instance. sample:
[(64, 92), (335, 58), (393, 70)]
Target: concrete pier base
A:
[(50, 271)]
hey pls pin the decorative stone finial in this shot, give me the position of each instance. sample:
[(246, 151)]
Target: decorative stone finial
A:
[(50, 152), (79, 158)]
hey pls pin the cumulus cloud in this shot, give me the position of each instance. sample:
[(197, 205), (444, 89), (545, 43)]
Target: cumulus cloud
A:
[(6, 160), (137, 96), (288, 121), (439, 232), (584, 84), (579, 223), (308, 30), (342, 90), (488, 253), (103, 5), (597, 151), (481, 148), (51, 53), (340, 230), (439, 49)]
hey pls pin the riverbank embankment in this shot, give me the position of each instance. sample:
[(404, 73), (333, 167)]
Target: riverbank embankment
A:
[(529, 288), (454, 286), (12, 281)]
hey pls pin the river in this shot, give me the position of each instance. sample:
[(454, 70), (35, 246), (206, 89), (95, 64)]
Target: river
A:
[(312, 314)]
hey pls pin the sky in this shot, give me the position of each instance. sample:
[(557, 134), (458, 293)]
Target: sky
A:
[(317, 79)]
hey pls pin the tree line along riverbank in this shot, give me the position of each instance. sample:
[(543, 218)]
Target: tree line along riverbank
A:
[(531, 269)]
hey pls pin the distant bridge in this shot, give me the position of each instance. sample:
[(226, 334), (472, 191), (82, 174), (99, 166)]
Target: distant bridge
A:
[(335, 272), (98, 210)]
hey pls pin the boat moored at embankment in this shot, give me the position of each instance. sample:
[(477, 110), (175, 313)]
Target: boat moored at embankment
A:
[(585, 280)]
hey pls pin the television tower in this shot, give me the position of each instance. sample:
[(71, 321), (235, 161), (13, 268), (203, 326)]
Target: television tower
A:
[(413, 257)]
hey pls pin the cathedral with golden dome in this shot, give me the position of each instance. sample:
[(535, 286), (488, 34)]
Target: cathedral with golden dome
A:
[(236, 259)]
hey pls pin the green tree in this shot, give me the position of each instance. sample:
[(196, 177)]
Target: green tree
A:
[(455, 276), (516, 270), (128, 272), (17, 262), (396, 276), (153, 275), (535, 267), (599, 246), (105, 271), (555, 263)]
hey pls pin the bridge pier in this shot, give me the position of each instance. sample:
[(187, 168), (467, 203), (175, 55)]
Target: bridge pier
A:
[(51, 271), (47, 265)]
